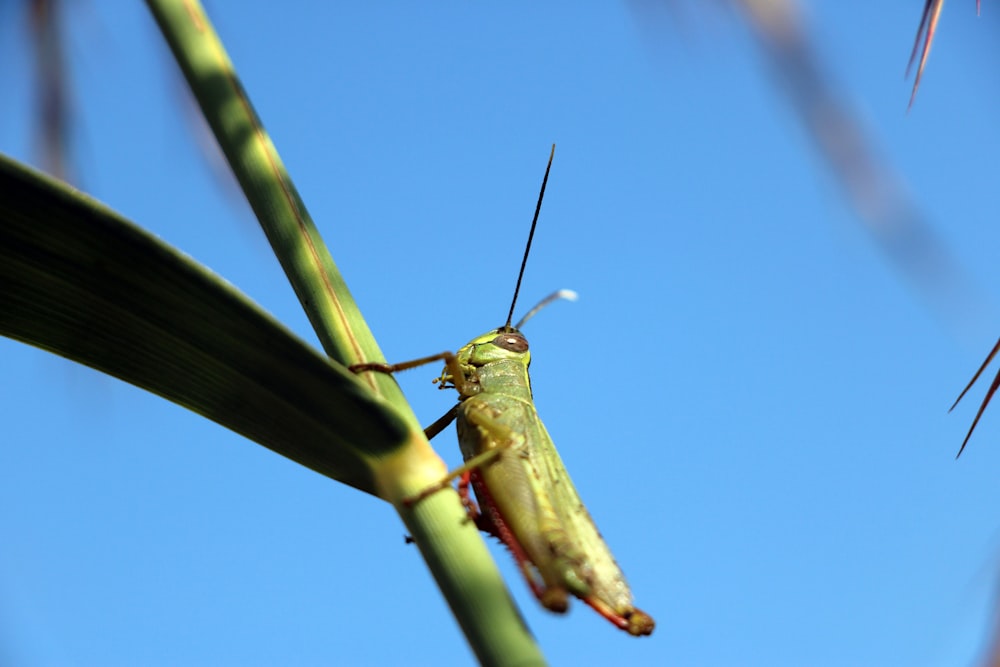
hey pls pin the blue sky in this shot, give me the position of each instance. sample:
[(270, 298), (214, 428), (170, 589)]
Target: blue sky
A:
[(751, 400)]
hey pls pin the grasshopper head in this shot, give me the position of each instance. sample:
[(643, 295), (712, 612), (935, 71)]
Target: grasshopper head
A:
[(506, 343), (496, 345), (503, 344)]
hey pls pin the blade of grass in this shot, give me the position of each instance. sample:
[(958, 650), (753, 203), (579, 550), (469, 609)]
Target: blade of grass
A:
[(269, 189), (78, 280), (986, 399), (925, 33), (458, 560)]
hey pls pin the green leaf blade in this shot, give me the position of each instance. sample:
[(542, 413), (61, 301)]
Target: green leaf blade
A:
[(78, 280)]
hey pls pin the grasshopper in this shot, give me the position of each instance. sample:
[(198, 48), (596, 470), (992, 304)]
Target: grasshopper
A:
[(527, 498)]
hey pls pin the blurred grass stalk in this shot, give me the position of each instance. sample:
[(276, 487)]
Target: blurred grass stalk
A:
[(53, 98), (873, 188), (79, 281)]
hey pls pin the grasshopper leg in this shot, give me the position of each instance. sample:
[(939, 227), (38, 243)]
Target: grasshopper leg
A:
[(441, 423), (553, 598), (402, 366), (470, 505), (633, 621), (475, 462), (454, 373)]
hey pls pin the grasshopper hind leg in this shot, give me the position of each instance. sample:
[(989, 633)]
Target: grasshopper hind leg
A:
[(553, 598), (467, 468), (633, 621)]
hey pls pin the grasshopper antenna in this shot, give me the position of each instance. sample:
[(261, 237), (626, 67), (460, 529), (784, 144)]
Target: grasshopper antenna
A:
[(567, 294), (527, 248)]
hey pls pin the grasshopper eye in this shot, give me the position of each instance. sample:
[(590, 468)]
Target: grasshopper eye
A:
[(511, 341)]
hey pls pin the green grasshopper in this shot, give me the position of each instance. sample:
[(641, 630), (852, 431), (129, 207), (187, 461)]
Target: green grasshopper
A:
[(528, 500)]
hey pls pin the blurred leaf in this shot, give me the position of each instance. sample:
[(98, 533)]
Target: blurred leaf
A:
[(871, 186)]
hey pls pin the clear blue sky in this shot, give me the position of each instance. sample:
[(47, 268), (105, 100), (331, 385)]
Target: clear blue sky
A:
[(750, 398)]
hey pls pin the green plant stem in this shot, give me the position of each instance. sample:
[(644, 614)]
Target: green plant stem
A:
[(452, 548)]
